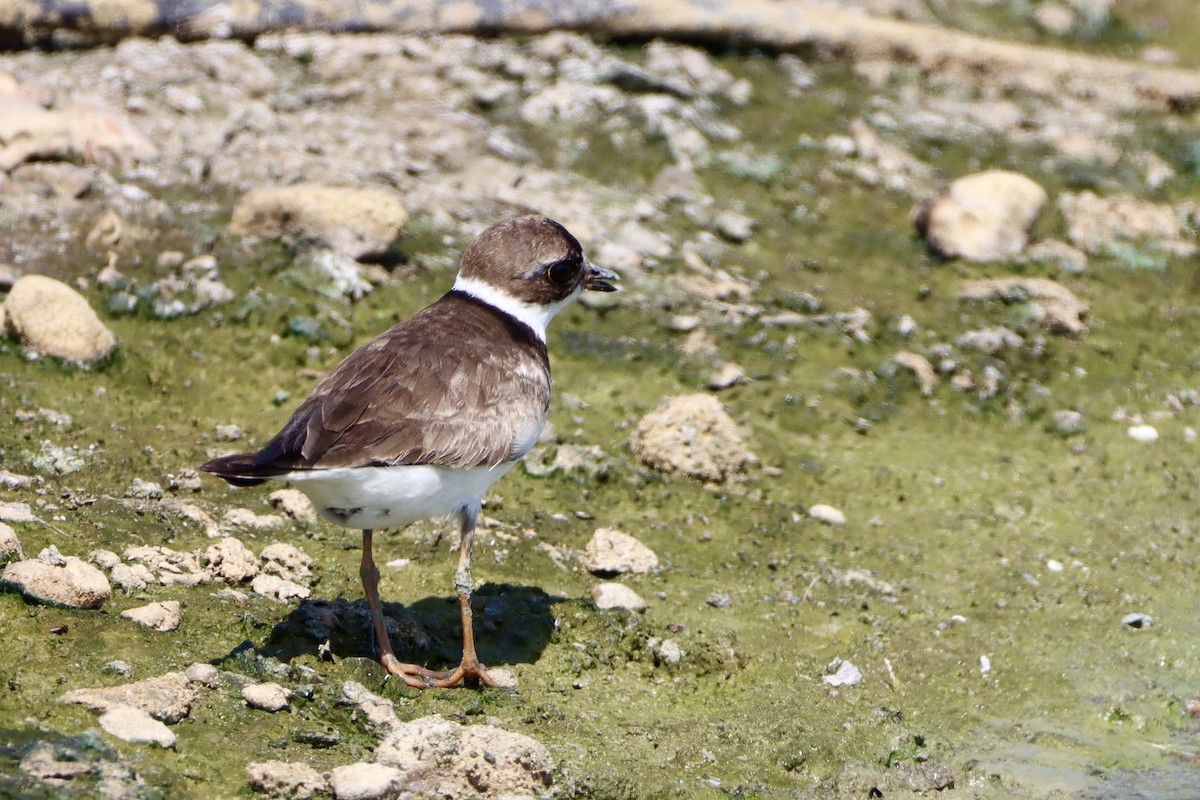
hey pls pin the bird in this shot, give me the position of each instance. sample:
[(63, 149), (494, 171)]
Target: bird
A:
[(421, 420)]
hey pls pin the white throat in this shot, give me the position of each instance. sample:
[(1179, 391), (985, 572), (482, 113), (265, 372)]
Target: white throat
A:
[(537, 317)]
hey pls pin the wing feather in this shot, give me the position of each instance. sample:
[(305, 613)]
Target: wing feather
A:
[(404, 397)]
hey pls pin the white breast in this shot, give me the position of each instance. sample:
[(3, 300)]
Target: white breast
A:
[(384, 497)]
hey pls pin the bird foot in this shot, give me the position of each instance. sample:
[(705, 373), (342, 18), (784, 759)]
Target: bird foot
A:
[(421, 678)]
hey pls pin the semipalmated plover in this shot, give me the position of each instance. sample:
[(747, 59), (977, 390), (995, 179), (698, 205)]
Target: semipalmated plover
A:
[(422, 419)]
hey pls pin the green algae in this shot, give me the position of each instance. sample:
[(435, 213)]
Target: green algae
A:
[(957, 504)]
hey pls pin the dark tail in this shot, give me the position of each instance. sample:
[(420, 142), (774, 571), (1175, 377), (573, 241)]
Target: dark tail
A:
[(240, 469)]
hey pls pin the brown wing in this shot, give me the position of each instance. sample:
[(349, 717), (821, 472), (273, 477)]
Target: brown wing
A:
[(450, 386)]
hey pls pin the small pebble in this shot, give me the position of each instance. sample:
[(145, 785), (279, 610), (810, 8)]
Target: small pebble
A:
[(1068, 422), (1054, 566), (266, 696), (206, 674), (1143, 433), (229, 433), (122, 668), (827, 514), (719, 600), (615, 595), (846, 675)]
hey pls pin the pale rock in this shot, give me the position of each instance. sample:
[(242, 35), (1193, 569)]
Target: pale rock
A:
[(17, 512), (202, 673), (616, 595), (57, 579), (1059, 253), (667, 651), (611, 552), (827, 514), (266, 696), (193, 513), (1054, 18), (139, 489), (441, 758), (1143, 433), (1062, 311), (1068, 422), (13, 480), (133, 725), (168, 697), (229, 433), (354, 221), (106, 137), (990, 340), (51, 318), (245, 519), (364, 781), (691, 435), (161, 616), (288, 562), (379, 711), (293, 504), (231, 561), (590, 460), (131, 578), (1107, 224), (725, 375), (105, 559), (277, 588), (284, 780), (170, 567), (920, 367), (28, 131), (846, 675), (982, 217), (10, 545)]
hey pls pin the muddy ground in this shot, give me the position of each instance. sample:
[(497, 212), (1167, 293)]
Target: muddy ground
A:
[(1018, 594)]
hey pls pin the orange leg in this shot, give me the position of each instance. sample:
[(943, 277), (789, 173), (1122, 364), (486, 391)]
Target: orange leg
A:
[(416, 676), (470, 666)]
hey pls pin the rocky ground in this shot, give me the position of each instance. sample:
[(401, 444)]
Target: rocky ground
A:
[(875, 479)]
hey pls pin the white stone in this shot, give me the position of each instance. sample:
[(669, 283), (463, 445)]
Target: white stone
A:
[(827, 514), (616, 595), (611, 551), (231, 561), (295, 781), (691, 435), (847, 675), (10, 545), (206, 674), (364, 781), (1143, 433), (294, 504), (266, 696), (134, 725), (161, 616), (277, 588), (441, 758), (50, 317), (61, 580), (982, 217)]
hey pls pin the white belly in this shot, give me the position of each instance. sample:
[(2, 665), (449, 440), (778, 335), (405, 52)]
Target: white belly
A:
[(384, 497)]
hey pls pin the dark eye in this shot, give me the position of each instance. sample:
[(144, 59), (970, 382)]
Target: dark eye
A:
[(562, 272)]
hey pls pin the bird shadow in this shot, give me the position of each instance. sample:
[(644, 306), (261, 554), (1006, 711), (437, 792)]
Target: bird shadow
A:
[(513, 624)]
